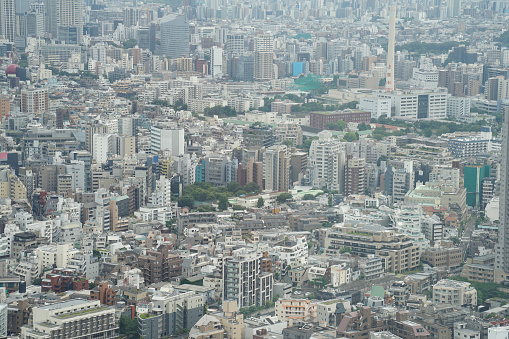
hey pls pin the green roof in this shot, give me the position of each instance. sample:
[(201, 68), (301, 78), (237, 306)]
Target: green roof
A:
[(377, 291)]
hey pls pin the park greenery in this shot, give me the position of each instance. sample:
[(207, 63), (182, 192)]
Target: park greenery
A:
[(204, 191), (418, 47), (220, 111)]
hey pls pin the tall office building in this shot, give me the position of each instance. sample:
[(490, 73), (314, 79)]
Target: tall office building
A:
[(63, 20), (276, 168), (235, 44), (174, 36), (496, 88), (264, 55), (8, 19), (90, 130), (389, 83), (216, 62), (131, 16), (454, 8)]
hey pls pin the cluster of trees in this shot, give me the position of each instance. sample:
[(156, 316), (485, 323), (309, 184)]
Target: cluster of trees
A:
[(178, 106), (220, 111), (427, 128), (128, 327), (337, 126), (249, 311), (129, 43), (503, 39), (418, 47), (204, 191), (351, 136), (284, 197), (315, 106), (268, 101)]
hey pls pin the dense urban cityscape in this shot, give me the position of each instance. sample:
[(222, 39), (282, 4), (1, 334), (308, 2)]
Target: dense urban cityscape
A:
[(254, 169)]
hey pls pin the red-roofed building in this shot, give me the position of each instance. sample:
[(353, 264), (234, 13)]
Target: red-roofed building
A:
[(64, 279)]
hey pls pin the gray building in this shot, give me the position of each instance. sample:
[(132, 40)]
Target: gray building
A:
[(244, 280), (174, 36), (171, 314)]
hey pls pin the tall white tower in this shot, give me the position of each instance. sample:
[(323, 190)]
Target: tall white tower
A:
[(389, 80)]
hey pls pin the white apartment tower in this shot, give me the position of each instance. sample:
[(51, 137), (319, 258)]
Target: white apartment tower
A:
[(264, 55)]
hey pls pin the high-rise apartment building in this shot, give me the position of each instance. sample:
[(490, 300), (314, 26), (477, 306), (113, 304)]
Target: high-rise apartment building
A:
[(160, 265), (63, 20), (90, 130), (174, 36), (35, 101), (496, 88), (327, 161), (167, 139), (264, 55), (7, 19), (276, 168), (355, 176), (243, 279), (5, 107)]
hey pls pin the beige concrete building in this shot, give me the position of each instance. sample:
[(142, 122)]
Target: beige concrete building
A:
[(398, 252), (456, 293), (208, 327), (295, 311), (232, 321)]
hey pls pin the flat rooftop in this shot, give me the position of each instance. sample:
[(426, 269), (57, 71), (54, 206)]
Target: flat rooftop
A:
[(69, 303)]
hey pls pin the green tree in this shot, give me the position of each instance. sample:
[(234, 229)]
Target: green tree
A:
[(350, 136), (363, 127), (288, 143), (37, 282), (308, 196), (329, 200), (186, 201), (260, 202), (380, 159), (128, 327), (223, 203), (129, 43), (283, 197)]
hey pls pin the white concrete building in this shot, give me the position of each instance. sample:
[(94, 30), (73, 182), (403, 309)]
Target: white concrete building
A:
[(377, 106), (294, 252)]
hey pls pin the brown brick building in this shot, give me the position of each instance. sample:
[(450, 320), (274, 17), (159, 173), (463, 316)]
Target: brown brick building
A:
[(443, 257), (321, 119), (355, 181), (64, 279), (104, 293), (160, 265)]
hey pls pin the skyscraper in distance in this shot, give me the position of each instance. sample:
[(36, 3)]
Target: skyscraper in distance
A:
[(264, 55), (174, 36), (8, 19), (502, 249), (389, 81), (63, 20)]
